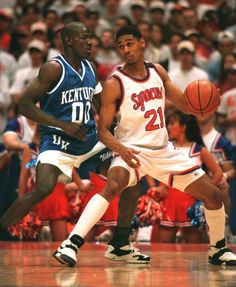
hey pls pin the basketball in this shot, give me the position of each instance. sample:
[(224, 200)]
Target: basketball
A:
[(201, 97)]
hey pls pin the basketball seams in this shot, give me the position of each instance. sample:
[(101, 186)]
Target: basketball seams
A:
[(210, 98), (200, 93), (186, 97), (199, 97)]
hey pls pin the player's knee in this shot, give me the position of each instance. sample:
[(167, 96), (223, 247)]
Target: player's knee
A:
[(113, 188), (45, 188), (213, 196)]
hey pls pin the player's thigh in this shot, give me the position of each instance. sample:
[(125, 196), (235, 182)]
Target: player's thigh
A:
[(203, 189), (46, 175)]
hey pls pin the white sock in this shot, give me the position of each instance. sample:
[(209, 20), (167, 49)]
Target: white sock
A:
[(216, 223), (93, 211)]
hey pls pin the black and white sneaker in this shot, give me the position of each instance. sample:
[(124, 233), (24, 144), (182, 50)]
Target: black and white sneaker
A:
[(126, 254), (66, 253), (221, 255)]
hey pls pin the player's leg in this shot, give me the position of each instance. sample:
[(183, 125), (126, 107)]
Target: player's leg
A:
[(119, 248), (166, 234), (204, 190), (117, 180), (46, 179), (192, 234)]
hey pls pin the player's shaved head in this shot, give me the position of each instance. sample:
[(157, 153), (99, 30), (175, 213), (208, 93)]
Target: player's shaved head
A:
[(71, 29)]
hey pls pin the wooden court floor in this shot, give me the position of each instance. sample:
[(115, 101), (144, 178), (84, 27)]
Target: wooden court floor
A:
[(173, 265)]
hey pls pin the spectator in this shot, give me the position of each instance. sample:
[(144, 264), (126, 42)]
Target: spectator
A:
[(36, 51), (187, 72), (184, 131), (173, 59), (7, 65), (151, 53), (222, 151), (39, 31), (63, 6), (224, 81), (5, 23), (176, 20), (226, 113), (107, 57), (121, 22), (111, 12), (194, 36), (190, 19), (225, 44), (30, 14), (19, 40), (157, 38), (137, 8), (96, 24), (81, 11), (51, 19), (157, 12)]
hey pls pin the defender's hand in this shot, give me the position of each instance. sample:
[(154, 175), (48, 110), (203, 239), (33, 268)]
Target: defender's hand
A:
[(75, 130)]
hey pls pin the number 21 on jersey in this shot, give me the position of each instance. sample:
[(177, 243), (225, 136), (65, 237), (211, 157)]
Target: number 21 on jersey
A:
[(154, 116)]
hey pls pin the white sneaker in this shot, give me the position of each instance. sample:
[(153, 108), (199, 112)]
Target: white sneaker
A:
[(67, 252), (127, 254), (221, 255)]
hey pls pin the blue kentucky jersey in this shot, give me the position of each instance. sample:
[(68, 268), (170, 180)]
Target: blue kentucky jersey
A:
[(70, 101)]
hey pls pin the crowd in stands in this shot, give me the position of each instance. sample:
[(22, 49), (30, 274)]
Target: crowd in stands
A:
[(190, 39)]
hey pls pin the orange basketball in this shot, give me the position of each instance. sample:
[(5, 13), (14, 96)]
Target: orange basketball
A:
[(201, 97)]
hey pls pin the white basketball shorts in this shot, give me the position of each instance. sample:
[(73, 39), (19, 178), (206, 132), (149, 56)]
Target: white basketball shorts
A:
[(168, 165), (65, 162)]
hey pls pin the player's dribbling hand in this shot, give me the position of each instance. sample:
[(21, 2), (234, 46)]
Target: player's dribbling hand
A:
[(128, 155), (75, 130)]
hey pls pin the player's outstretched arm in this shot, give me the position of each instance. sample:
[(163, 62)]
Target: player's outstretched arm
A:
[(173, 93)]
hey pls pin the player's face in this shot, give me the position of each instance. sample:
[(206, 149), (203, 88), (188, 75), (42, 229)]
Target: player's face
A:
[(81, 43), (130, 48), (175, 129)]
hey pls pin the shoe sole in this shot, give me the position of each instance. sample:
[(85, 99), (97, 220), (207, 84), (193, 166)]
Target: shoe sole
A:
[(224, 263), (64, 259), (126, 261)]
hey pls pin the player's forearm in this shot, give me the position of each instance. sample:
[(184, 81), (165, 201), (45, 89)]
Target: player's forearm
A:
[(30, 110), (107, 138)]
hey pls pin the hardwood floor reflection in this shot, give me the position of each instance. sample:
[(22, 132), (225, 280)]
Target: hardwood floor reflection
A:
[(173, 265)]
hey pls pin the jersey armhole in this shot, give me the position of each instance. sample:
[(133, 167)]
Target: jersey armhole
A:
[(61, 78)]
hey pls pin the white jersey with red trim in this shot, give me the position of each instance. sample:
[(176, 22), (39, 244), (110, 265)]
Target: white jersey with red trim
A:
[(140, 116)]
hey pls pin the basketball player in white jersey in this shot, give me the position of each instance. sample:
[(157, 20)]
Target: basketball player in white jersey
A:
[(136, 95)]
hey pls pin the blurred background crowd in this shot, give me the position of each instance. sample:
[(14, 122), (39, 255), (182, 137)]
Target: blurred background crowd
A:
[(191, 39)]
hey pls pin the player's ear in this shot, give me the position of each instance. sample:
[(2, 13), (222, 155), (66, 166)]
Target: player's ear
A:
[(68, 40), (142, 43)]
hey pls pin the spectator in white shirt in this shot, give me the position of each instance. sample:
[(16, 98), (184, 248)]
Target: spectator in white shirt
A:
[(39, 31), (36, 50), (187, 72)]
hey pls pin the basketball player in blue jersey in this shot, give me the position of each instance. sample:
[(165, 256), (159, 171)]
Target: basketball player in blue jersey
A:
[(136, 95), (65, 87)]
